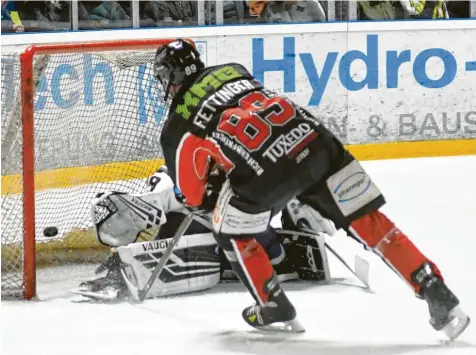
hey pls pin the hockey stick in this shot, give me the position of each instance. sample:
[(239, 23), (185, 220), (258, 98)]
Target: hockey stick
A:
[(363, 275), (142, 294)]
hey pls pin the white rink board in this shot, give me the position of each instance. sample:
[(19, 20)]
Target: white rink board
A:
[(431, 95)]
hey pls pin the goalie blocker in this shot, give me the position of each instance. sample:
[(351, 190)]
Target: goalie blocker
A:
[(197, 263)]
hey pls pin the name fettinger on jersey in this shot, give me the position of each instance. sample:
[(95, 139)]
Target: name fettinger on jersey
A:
[(221, 97)]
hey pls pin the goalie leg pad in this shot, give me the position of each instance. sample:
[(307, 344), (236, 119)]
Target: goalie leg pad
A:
[(307, 255), (193, 266)]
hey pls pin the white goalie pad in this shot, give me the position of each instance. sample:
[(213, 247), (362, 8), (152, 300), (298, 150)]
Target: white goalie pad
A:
[(119, 217), (316, 224), (193, 266)]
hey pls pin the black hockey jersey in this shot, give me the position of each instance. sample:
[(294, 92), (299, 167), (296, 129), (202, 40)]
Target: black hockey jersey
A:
[(225, 117)]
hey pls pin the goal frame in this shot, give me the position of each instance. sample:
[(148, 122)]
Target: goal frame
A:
[(27, 92)]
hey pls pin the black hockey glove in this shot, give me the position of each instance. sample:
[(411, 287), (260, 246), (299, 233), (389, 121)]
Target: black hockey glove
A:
[(216, 178), (206, 206)]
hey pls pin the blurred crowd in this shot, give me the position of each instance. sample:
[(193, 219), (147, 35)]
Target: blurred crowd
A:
[(39, 16)]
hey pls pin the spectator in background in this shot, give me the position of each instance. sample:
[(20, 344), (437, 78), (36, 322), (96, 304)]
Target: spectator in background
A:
[(175, 13), (287, 11), (179, 13), (103, 14), (44, 15), (403, 9), (422, 9), (10, 18), (376, 10), (233, 12), (458, 9)]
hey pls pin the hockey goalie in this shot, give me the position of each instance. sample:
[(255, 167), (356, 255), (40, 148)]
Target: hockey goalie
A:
[(197, 263)]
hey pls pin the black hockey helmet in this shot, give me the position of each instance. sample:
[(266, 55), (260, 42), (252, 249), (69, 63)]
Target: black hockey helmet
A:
[(174, 63)]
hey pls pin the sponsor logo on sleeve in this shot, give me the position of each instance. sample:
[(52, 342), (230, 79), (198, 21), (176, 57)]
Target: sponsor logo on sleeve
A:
[(352, 187)]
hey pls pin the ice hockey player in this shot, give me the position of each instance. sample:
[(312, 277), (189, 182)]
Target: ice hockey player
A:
[(197, 264), (273, 150)]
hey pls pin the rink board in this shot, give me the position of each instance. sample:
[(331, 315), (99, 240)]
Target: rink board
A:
[(75, 176)]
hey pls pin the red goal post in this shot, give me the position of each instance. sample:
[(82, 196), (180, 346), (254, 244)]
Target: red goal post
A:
[(35, 180)]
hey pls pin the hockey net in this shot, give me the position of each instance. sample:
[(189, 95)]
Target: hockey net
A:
[(77, 119)]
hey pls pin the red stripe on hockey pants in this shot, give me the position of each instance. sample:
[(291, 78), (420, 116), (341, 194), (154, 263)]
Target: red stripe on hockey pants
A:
[(379, 233), (255, 265)]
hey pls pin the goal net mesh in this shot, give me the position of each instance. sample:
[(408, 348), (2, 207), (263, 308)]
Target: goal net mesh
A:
[(98, 119)]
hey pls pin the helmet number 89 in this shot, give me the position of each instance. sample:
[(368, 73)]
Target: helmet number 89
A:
[(190, 69)]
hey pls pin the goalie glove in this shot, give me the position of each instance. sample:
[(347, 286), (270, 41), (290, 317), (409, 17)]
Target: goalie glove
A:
[(119, 218)]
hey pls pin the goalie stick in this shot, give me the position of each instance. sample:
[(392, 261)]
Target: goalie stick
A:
[(142, 293), (361, 267)]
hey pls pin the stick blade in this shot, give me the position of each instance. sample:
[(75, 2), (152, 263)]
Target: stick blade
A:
[(142, 294), (362, 269)]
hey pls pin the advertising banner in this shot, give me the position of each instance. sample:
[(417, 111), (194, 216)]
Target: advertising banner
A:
[(371, 87)]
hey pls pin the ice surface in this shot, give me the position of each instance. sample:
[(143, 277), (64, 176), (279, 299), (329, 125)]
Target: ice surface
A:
[(433, 200)]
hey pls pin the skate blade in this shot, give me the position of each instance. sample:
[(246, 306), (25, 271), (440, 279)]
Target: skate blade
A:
[(292, 326), (103, 295), (287, 277), (457, 325)]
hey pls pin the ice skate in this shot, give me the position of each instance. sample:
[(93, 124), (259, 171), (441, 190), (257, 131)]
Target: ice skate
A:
[(446, 315), (107, 288), (271, 318), (278, 314)]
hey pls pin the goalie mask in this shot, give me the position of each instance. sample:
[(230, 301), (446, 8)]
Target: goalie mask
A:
[(174, 63)]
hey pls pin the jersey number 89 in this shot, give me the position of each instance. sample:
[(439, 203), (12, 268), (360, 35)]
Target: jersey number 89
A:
[(251, 122)]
